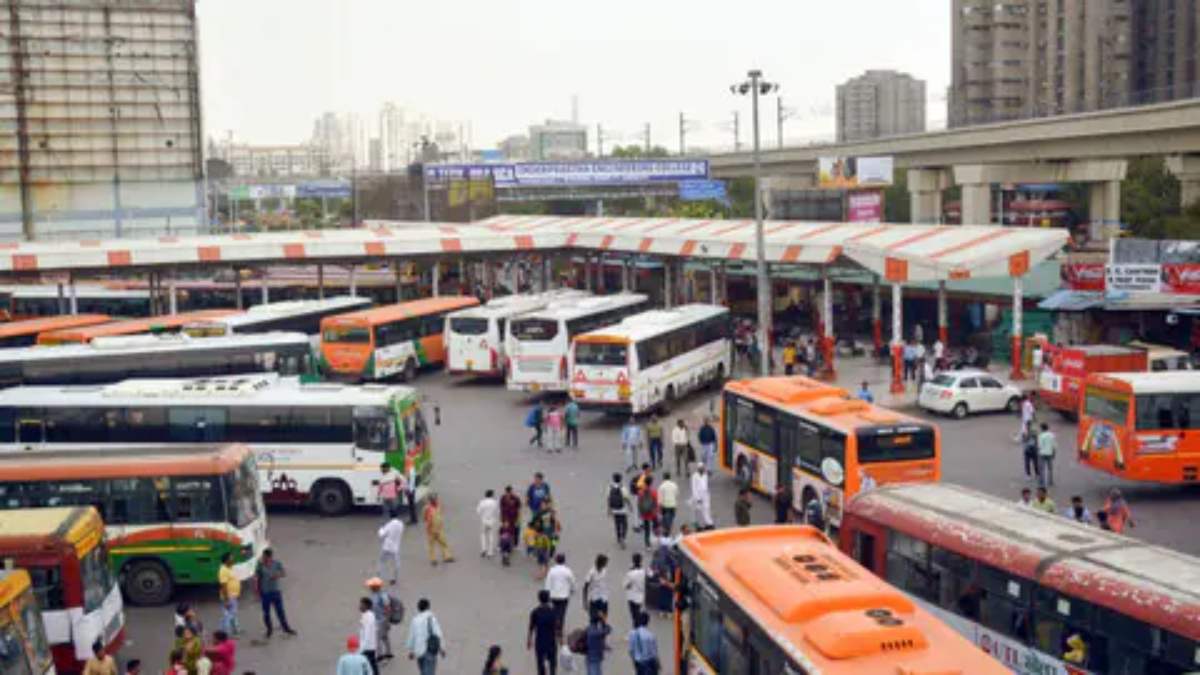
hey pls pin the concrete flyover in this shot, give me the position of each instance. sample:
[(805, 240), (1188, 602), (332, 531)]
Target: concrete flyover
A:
[(1161, 129)]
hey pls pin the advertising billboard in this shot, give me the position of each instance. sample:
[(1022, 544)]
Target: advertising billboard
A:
[(574, 174), (864, 207), (841, 173)]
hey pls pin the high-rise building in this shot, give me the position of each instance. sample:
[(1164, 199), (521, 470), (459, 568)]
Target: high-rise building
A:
[(556, 140), (880, 103), (394, 141), (1014, 59)]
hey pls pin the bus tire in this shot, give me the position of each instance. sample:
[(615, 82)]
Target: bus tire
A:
[(331, 497), (146, 582), (410, 371)]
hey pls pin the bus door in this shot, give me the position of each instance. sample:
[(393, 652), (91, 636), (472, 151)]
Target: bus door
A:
[(31, 433), (787, 444), (197, 425)]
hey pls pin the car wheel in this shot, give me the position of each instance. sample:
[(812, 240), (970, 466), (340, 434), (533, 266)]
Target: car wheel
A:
[(1014, 404), (960, 411)]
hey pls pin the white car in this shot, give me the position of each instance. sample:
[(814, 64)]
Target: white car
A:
[(962, 392)]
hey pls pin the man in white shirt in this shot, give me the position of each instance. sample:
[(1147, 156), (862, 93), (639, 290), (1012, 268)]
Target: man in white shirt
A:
[(1027, 414), (668, 500), (422, 626), (389, 546), (939, 353), (368, 638), (489, 519), (680, 441), (701, 501), (560, 582), (1026, 499), (635, 587)]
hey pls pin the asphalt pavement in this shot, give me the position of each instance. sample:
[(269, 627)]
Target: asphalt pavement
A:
[(482, 443)]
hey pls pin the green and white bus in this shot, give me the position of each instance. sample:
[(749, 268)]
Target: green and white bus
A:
[(316, 444), (170, 513)]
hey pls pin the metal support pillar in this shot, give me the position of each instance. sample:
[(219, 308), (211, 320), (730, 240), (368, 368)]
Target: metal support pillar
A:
[(353, 281), (74, 300), (943, 323), (237, 287), (398, 279), (587, 272), (876, 315), (897, 340), (625, 276), (667, 294), (1018, 305), (463, 287), (545, 264), (712, 285), (320, 282), (172, 296), (829, 372), (600, 280), (266, 290), (435, 274)]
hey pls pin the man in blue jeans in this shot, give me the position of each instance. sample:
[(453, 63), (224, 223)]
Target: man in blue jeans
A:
[(267, 573)]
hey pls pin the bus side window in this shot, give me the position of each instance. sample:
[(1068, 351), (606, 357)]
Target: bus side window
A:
[(8, 431), (1004, 602), (47, 587), (706, 625), (131, 501), (197, 499), (864, 549), (908, 566)]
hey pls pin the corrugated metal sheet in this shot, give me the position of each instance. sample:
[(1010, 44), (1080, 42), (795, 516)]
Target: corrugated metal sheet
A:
[(100, 130)]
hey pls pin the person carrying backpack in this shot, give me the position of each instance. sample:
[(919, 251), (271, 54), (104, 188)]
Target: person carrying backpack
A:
[(617, 501), (533, 420), (425, 639), (388, 612), (647, 506)]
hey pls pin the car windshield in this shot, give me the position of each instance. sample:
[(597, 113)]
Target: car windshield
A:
[(942, 380), (373, 429), (539, 330), (347, 334), (97, 579), (468, 326), (242, 494), (600, 353)]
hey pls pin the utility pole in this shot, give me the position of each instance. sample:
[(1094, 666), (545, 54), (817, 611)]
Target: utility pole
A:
[(599, 141), (682, 135), (779, 123), (737, 136), (647, 138)]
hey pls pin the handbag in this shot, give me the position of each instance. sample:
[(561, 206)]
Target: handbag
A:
[(433, 643)]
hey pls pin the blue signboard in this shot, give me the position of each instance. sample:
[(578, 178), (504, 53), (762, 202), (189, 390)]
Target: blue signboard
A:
[(575, 174), (324, 189), (700, 190)]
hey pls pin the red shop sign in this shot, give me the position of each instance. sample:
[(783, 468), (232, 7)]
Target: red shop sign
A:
[(1181, 278), (1083, 276)]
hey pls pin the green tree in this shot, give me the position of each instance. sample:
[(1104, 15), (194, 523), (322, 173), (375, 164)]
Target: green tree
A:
[(1150, 199), (741, 197), (634, 151), (705, 210), (308, 212), (897, 204)]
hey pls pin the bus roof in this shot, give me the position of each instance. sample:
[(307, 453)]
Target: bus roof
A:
[(147, 344), (79, 526), (1103, 350), (89, 462), (1153, 584), (570, 308), (816, 400), (822, 606), (1164, 382), (48, 323), (511, 305), (275, 310), (131, 326), (81, 291), (258, 389), (654, 322), (404, 310)]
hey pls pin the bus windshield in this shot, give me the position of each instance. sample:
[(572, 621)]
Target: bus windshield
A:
[(241, 490), (1108, 406), (468, 326), (600, 354), (373, 429), (347, 334), (97, 580), (895, 444), (539, 330)]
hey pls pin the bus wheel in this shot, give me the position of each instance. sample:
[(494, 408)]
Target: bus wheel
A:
[(147, 583), (410, 370), (331, 498)]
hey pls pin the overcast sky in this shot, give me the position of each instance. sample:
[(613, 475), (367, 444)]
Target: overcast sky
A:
[(270, 67)]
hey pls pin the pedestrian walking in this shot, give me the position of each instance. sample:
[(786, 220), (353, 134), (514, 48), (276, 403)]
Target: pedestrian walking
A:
[(1047, 449), (223, 653), (864, 393), (782, 501), (390, 537), (538, 492), (488, 511), (353, 662), (493, 665), (381, 609), (554, 427), (546, 529), (1044, 502), (595, 587), (617, 500), (1029, 451), (1028, 412), (741, 508), (708, 444), (435, 531), (425, 638), (919, 334), (408, 491), (1117, 512), (368, 634), (789, 358), (681, 441), (185, 615), (533, 420), (560, 584), (654, 440), (631, 440), (910, 361), (390, 483), (99, 663), (635, 586), (542, 637), (668, 501), (939, 354), (510, 516), (571, 418), (701, 499), (267, 573), (189, 645), (595, 639), (643, 647), (647, 506), (230, 589), (1078, 511)]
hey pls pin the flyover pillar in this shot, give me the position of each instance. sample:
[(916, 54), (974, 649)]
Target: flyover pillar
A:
[(1187, 169), (925, 188), (977, 204), (1104, 208), (897, 340)]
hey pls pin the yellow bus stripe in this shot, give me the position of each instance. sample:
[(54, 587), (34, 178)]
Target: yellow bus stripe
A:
[(160, 549)]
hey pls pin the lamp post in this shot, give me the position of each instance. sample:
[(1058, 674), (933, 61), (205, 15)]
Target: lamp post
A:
[(754, 86)]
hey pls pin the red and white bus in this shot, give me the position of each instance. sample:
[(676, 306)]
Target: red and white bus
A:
[(475, 336), (1040, 592)]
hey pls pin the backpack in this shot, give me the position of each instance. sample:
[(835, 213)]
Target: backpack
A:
[(395, 610), (646, 502), (577, 641), (616, 500), (433, 644), (534, 417)]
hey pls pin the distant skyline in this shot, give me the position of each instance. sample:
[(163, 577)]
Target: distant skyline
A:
[(269, 68)]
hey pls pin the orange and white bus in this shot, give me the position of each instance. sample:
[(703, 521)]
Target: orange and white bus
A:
[(1042, 593), (821, 441), (1139, 426), (168, 323), (375, 344), (24, 649), (63, 550), (25, 333), (783, 600)]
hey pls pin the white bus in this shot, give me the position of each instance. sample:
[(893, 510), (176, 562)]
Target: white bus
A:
[(316, 444), (537, 343), (651, 358), (301, 316), (28, 302), (112, 359), (475, 335)]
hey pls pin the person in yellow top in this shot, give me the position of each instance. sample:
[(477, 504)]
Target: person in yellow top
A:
[(435, 531), (231, 588), (1077, 650), (789, 358), (99, 663)]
